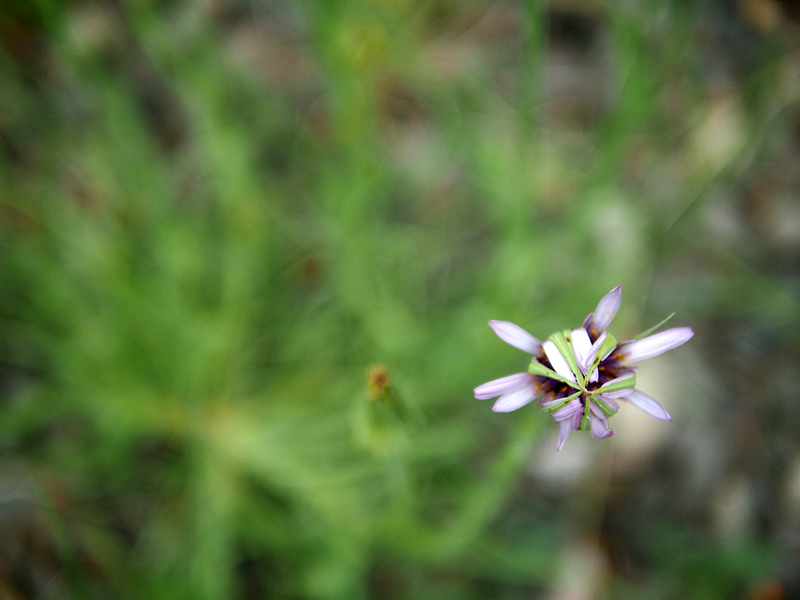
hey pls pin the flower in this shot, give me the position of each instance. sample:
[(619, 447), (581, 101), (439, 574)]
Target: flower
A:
[(577, 376)]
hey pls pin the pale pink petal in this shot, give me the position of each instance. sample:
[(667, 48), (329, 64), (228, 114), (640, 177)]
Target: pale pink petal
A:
[(568, 410), (564, 427), (606, 309), (516, 336), (599, 428), (501, 386), (515, 399), (656, 344), (598, 424), (558, 362), (649, 405)]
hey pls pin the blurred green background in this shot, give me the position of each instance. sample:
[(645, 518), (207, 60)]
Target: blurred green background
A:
[(248, 253)]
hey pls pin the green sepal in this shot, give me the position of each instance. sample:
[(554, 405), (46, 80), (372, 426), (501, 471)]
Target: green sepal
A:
[(556, 406), (607, 410), (623, 384), (654, 327), (537, 368), (563, 341), (585, 419)]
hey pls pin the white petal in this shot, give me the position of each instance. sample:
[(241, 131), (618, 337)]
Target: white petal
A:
[(515, 399), (649, 405), (582, 345), (501, 386), (558, 362), (516, 336), (606, 309), (656, 344)]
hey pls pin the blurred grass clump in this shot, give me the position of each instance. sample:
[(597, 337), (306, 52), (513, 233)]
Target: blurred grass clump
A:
[(249, 250)]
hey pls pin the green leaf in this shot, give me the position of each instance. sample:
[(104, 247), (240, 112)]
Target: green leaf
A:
[(655, 327)]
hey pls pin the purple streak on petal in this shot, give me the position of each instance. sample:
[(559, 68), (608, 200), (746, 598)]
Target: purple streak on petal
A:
[(515, 399), (649, 405), (606, 309), (587, 322), (598, 424), (558, 362), (501, 386), (568, 410), (656, 344), (516, 336), (564, 427)]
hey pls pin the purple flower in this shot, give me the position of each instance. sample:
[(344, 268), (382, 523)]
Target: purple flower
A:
[(578, 376)]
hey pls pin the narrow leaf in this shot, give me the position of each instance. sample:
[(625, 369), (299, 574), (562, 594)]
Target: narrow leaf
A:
[(655, 327)]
